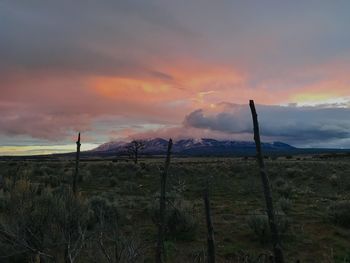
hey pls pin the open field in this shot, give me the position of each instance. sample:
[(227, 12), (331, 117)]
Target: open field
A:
[(308, 194)]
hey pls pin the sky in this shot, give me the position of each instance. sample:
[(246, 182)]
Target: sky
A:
[(116, 70)]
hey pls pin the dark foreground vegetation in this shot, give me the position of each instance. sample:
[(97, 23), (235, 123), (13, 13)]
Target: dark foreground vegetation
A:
[(114, 215)]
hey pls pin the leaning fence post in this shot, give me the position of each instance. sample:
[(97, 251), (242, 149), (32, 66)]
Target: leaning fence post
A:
[(77, 159), (160, 253), (210, 229), (267, 190)]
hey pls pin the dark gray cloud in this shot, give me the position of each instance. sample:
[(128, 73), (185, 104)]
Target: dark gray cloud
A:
[(111, 37), (298, 125), (87, 37)]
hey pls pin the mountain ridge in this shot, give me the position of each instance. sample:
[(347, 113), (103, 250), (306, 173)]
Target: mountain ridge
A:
[(190, 146)]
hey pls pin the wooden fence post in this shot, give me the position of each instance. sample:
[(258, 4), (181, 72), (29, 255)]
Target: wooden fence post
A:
[(77, 159), (267, 190), (210, 229), (160, 253)]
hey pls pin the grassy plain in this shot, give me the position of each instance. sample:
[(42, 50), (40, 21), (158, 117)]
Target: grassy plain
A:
[(304, 190)]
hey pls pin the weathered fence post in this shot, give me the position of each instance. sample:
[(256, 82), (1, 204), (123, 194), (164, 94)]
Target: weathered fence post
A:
[(267, 190), (210, 229), (160, 253), (77, 159)]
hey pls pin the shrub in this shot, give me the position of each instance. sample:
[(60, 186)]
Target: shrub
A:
[(104, 211), (129, 186), (170, 248), (50, 180), (113, 182), (284, 204), (334, 180), (283, 188), (41, 220), (279, 182), (4, 202), (180, 224), (339, 213), (251, 256), (293, 172), (340, 180), (143, 165), (259, 225)]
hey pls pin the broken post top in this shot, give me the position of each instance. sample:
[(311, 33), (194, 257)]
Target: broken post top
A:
[(252, 107), (78, 141), (255, 122)]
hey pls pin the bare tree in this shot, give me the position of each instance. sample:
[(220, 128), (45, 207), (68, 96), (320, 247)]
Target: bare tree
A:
[(267, 190), (134, 148), (160, 255)]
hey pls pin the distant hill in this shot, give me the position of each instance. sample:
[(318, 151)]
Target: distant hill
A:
[(199, 147)]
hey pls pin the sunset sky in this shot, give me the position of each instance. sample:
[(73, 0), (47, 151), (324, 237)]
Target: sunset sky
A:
[(116, 70)]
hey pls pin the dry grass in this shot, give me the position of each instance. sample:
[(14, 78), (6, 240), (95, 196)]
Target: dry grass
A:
[(309, 185)]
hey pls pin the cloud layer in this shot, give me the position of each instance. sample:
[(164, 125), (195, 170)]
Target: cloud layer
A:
[(297, 125), (119, 68)]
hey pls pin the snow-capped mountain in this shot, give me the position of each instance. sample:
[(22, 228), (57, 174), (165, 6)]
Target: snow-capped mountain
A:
[(204, 146)]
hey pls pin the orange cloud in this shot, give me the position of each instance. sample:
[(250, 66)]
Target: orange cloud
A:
[(53, 104), (132, 89), (198, 85), (334, 85)]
